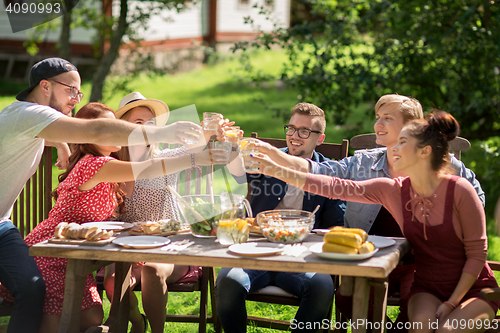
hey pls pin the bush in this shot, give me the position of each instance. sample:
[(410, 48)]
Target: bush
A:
[(484, 159)]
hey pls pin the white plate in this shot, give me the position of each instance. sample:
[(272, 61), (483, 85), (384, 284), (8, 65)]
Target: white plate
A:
[(320, 231), (381, 242), (317, 249), (110, 225), (254, 249), (141, 242)]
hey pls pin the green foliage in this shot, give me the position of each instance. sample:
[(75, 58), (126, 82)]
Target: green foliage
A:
[(484, 159), (445, 53)]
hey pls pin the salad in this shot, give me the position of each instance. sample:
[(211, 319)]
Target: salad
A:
[(210, 213), (283, 234)]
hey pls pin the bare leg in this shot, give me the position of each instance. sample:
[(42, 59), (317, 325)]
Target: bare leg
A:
[(89, 317), (50, 323), (135, 316), (468, 317), (422, 312), (155, 293)]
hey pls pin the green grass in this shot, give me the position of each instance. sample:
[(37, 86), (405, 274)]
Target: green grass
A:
[(216, 88)]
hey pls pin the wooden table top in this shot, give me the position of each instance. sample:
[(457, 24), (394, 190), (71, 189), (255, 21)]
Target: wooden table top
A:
[(208, 252)]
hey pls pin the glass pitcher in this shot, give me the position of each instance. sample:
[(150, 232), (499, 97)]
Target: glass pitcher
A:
[(233, 228), (234, 206)]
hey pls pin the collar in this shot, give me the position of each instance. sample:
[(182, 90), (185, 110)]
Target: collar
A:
[(380, 162), (316, 157)]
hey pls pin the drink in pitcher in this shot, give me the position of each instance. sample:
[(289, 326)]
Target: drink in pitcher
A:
[(232, 231)]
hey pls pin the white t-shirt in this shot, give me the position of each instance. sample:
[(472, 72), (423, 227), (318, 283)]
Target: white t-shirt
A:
[(20, 149)]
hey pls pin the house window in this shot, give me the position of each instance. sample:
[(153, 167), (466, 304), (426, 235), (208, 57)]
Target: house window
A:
[(269, 4)]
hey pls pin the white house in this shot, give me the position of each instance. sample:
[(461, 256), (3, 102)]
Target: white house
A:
[(209, 22)]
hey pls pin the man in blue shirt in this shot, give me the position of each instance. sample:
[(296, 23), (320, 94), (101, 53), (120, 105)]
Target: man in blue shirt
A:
[(304, 132)]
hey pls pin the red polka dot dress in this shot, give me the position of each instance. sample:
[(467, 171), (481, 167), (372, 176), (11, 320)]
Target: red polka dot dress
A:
[(73, 205)]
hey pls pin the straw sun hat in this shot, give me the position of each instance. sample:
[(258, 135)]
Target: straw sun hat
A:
[(160, 109)]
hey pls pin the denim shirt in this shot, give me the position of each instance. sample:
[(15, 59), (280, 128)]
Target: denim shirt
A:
[(368, 164)]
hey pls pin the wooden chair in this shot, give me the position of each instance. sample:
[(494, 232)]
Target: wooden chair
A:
[(273, 294), (35, 201), (334, 151), (207, 281), (367, 141), (32, 206)]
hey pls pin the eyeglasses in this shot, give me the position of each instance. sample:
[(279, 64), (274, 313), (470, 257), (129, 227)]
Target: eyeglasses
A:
[(304, 133), (73, 92)]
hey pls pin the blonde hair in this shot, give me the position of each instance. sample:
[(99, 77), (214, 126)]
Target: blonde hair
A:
[(409, 107)]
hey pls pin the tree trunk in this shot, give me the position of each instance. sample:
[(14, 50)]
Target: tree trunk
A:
[(64, 45), (109, 58)]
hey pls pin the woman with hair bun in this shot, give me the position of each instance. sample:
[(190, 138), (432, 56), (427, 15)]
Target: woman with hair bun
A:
[(440, 214)]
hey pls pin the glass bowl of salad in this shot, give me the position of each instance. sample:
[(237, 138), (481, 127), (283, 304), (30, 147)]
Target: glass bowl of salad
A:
[(202, 213), (285, 226)]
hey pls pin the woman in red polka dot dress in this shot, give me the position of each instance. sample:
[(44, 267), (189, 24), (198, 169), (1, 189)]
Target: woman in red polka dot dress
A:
[(88, 191)]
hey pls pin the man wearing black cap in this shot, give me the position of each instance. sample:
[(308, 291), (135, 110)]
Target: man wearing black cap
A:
[(41, 115)]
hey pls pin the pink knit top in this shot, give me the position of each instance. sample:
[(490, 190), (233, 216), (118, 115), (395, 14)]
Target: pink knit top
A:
[(469, 219)]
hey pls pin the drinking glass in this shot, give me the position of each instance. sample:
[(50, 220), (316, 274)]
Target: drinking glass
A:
[(191, 141), (223, 151), (211, 121), (232, 134), (247, 147)]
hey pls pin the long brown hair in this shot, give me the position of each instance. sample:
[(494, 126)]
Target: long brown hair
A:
[(79, 150)]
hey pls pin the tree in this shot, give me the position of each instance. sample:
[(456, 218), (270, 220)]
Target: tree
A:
[(111, 33), (443, 52)]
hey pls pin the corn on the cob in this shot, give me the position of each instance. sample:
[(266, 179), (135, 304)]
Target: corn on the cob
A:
[(366, 248), (343, 238), (337, 248), (360, 232)]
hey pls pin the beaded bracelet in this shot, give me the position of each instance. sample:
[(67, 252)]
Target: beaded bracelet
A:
[(192, 161), (450, 305)]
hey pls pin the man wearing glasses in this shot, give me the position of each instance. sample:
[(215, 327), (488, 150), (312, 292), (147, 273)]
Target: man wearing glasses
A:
[(41, 116), (305, 131)]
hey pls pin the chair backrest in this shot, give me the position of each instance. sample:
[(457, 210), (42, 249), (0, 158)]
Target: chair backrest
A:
[(367, 141), (197, 174), (35, 201), (334, 151)]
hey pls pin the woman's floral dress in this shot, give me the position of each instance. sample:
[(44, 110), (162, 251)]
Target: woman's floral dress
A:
[(73, 205)]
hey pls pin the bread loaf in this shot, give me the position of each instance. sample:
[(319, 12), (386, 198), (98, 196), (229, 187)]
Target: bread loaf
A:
[(59, 229), (77, 231), (151, 228)]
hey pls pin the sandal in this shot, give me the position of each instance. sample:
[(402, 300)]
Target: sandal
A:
[(145, 322)]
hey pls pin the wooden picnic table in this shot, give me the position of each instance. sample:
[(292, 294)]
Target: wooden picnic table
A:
[(357, 276)]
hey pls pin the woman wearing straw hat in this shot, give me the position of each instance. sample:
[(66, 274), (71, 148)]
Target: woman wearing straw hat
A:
[(149, 199)]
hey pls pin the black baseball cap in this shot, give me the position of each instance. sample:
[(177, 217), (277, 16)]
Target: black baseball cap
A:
[(44, 70)]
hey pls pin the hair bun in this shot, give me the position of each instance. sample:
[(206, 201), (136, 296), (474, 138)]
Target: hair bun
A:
[(444, 123)]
